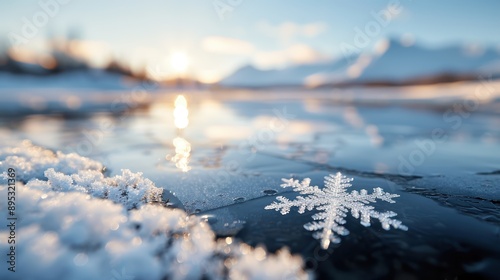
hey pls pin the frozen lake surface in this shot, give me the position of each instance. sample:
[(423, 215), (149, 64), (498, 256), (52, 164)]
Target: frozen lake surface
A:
[(223, 154)]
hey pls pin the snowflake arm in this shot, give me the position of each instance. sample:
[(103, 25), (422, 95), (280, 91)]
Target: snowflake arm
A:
[(285, 204), (358, 202), (303, 187)]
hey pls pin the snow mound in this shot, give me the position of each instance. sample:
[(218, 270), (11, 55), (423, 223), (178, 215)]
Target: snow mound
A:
[(49, 171), (73, 222), (129, 189), (75, 236), (75, 93), (31, 161)]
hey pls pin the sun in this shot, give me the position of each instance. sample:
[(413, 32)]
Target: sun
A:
[(179, 62)]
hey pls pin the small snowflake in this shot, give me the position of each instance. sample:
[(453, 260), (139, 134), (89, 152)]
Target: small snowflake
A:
[(333, 203)]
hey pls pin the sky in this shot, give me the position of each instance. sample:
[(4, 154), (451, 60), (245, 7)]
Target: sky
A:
[(209, 39)]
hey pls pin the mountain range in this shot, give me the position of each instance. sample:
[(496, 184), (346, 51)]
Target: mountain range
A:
[(394, 63)]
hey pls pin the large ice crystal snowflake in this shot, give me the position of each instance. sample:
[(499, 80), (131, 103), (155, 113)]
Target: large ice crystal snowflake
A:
[(333, 203)]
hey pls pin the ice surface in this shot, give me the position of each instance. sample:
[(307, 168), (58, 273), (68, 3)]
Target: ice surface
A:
[(330, 130), (485, 187)]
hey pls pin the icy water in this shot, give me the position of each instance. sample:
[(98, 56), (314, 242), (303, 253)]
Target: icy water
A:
[(223, 156)]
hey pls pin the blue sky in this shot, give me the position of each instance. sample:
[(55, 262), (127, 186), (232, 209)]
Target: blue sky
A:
[(265, 33)]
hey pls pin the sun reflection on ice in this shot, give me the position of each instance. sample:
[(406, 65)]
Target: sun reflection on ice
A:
[(181, 112), (182, 146), (182, 154)]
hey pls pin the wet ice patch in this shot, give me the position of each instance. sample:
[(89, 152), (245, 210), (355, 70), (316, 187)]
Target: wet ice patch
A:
[(477, 196), (485, 187)]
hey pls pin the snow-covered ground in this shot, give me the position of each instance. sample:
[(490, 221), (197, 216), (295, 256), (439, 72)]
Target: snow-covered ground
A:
[(73, 222), (73, 80), (78, 92)]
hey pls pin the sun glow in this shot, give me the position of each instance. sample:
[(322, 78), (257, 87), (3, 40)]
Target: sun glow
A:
[(179, 62)]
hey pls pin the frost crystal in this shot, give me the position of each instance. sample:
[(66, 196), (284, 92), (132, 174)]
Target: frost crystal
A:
[(333, 203), (129, 189)]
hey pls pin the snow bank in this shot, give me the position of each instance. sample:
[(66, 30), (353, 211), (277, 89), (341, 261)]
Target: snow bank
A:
[(74, 93), (83, 79), (31, 161), (75, 223), (49, 171), (129, 189)]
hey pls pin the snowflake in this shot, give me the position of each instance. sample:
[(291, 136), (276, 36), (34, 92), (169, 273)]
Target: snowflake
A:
[(333, 203)]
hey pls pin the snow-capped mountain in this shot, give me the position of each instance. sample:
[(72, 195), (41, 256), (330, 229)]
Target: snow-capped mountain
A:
[(249, 76), (392, 63), (398, 63)]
